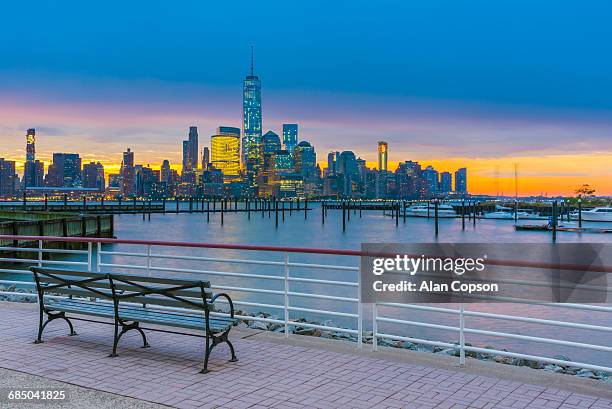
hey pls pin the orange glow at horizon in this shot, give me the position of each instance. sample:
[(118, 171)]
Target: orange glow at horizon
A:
[(547, 175)]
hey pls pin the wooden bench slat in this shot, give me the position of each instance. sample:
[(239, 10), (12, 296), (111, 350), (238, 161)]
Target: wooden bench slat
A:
[(143, 315), (135, 278)]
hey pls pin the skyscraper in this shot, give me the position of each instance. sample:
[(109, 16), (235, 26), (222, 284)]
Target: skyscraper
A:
[(430, 176), (290, 136), (186, 157), (205, 157), (446, 182), (382, 155), (271, 143), (193, 146), (30, 145), (225, 152), (8, 178), (65, 171), (461, 180), (251, 125), (128, 181), (93, 176), (305, 160), (34, 172)]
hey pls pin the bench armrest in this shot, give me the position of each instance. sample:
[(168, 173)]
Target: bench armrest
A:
[(229, 300)]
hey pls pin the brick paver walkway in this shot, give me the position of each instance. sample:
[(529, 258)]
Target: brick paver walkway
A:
[(267, 375)]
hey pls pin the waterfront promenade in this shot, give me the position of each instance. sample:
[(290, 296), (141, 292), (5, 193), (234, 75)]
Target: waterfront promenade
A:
[(274, 372)]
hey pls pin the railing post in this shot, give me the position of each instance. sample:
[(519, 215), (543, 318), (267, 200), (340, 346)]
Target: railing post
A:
[(99, 257), (359, 313), (40, 253), (148, 260), (89, 257), (374, 327), (461, 335), (286, 295)]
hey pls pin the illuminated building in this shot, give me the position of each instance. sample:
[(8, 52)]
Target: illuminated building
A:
[(205, 157), (382, 155), (93, 176), (8, 178), (128, 181), (31, 145), (65, 171), (251, 125), (461, 180), (193, 146), (225, 152), (34, 170), (446, 182), (290, 136)]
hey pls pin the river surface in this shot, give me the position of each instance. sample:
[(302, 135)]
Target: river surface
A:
[(373, 227)]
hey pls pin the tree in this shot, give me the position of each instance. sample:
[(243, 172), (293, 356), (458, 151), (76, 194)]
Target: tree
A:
[(585, 190)]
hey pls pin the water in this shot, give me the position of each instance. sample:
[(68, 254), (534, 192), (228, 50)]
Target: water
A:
[(372, 227)]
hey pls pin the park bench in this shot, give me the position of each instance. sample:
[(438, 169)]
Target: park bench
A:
[(131, 300)]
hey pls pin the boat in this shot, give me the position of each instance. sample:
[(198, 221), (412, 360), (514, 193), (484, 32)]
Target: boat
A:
[(598, 214), (420, 210), (502, 212)]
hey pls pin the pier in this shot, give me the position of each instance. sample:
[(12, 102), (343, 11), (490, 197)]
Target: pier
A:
[(50, 224)]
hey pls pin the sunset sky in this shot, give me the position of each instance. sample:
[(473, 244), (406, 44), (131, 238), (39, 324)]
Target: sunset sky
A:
[(478, 84)]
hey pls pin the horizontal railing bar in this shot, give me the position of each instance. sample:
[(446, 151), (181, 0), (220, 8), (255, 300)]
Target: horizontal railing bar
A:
[(219, 273), (419, 307), (324, 327), (23, 249), (418, 324), (29, 283), (219, 260), (538, 339), (250, 304), (7, 270), (17, 260), (63, 251), (539, 358), (126, 266), (500, 316), (68, 263), (185, 244), (339, 314), (537, 321), (323, 297), (247, 290), (323, 266), (545, 303), (123, 253), (318, 281), (47, 250), (415, 340)]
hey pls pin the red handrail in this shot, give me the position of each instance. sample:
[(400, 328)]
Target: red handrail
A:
[(357, 253), (185, 244)]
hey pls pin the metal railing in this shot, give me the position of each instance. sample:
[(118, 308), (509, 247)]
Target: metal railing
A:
[(280, 282)]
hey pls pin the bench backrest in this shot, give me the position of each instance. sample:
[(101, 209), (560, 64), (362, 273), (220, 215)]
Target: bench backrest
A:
[(123, 287)]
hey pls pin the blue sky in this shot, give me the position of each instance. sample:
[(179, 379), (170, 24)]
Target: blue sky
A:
[(550, 53)]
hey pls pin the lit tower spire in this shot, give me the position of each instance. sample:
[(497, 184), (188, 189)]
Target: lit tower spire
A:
[(252, 58)]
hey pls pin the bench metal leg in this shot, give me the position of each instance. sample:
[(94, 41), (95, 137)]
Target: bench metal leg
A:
[(125, 328), (207, 354), (50, 317), (216, 340)]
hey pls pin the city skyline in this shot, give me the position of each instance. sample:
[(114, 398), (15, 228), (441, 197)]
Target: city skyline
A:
[(499, 105)]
